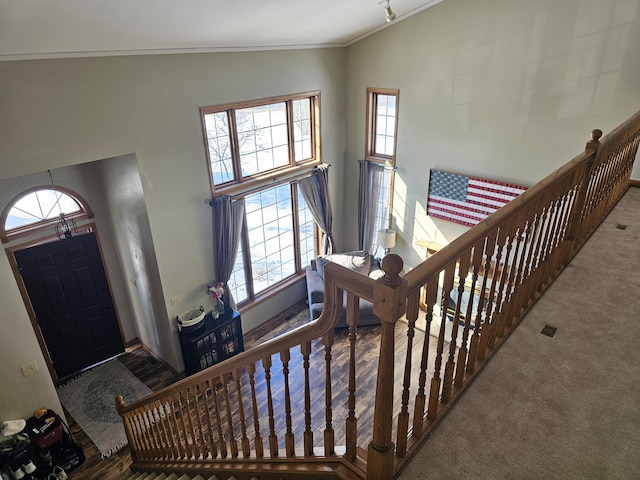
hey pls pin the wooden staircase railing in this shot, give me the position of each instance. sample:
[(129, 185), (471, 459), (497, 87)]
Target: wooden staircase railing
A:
[(237, 416)]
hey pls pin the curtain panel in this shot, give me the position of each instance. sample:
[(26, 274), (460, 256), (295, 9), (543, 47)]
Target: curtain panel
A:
[(315, 191), (228, 220)]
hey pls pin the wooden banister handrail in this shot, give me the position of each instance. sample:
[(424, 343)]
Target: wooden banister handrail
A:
[(237, 415), (455, 248), (337, 278)]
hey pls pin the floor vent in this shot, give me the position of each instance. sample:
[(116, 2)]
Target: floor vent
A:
[(621, 227), (549, 331)]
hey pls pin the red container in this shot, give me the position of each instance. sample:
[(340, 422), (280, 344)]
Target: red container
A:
[(46, 430)]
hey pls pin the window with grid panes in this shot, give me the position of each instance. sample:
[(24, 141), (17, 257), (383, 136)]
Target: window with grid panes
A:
[(381, 139), (248, 143), (382, 125)]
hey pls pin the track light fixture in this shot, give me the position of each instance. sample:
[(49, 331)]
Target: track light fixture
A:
[(391, 16)]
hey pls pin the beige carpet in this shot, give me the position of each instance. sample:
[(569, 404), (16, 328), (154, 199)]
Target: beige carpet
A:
[(566, 407)]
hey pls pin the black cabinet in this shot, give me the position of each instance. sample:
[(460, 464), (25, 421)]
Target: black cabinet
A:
[(215, 341)]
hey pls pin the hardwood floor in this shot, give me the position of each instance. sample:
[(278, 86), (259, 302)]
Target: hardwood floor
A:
[(156, 375)]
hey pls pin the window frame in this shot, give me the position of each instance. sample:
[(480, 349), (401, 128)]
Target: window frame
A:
[(285, 175), (239, 183), (43, 225), (371, 119)]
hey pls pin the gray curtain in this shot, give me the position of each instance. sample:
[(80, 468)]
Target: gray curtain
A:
[(228, 219), (372, 180), (315, 191)]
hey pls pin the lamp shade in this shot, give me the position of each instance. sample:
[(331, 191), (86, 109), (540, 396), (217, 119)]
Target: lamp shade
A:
[(386, 238)]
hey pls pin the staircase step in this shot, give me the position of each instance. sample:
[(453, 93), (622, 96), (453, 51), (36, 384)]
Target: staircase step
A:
[(137, 476)]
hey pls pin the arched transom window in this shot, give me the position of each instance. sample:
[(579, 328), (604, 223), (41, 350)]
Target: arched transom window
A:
[(39, 209)]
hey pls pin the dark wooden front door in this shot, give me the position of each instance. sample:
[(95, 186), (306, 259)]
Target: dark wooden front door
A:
[(70, 296)]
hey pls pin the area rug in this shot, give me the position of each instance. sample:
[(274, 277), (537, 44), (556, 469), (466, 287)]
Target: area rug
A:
[(90, 400)]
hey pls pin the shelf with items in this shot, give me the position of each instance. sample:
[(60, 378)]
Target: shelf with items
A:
[(214, 341), (43, 448)]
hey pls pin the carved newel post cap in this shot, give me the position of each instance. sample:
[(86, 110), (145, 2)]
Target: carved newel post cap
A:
[(120, 403), (594, 143), (392, 265)]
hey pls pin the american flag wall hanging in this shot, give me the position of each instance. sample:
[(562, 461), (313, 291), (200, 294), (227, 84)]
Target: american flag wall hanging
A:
[(467, 200)]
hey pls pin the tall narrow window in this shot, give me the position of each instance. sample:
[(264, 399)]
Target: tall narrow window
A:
[(257, 150), (382, 125)]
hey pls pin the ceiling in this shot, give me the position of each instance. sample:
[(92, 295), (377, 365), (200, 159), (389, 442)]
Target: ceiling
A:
[(34, 29)]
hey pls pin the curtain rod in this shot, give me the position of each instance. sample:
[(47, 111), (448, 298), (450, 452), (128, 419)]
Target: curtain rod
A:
[(385, 165), (274, 181)]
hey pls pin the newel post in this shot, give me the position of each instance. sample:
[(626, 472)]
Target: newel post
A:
[(121, 405), (389, 303), (575, 219)]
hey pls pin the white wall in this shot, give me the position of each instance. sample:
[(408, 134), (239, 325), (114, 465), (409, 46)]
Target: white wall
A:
[(20, 396), (498, 88), (128, 216), (58, 113)]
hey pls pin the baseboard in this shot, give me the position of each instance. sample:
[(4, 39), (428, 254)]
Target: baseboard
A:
[(634, 183), (137, 341), (265, 327)]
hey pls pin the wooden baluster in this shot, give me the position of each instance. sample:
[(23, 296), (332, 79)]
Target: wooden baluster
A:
[(532, 286), (204, 389), (191, 434), (273, 439), (413, 304), (156, 431), (218, 418), (353, 316), (476, 262), (558, 216), (434, 389), (508, 308), (574, 235), (463, 270), (256, 415), (184, 435), (233, 443), (289, 441), (129, 431), (329, 445), (173, 450), (147, 446), (544, 274), (496, 284), (390, 293), (487, 329), (176, 429), (305, 349), (201, 432), (150, 433), (530, 258), (165, 413), (421, 398), (505, 277), (246, 445), (516, 298)]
